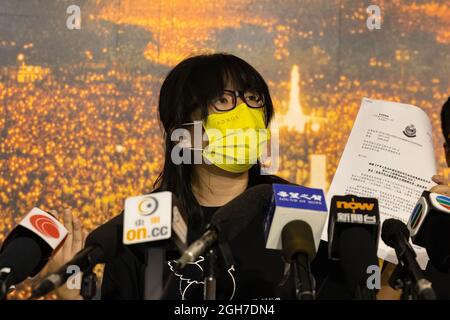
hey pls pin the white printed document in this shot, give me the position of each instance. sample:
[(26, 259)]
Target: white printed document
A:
[(389, 156)]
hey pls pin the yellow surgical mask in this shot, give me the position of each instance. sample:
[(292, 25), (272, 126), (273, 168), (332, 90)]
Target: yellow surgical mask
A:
[(236, 138)]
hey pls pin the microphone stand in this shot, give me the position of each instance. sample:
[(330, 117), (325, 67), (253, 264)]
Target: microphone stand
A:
[(211, 267), (412, 289), (5, 277), (154, 267), (401, 279), (210, 275), (304, 288), (88, 284), (363, 293)]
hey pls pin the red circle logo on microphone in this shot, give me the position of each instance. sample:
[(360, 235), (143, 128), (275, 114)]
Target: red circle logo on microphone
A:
[(45, 225)]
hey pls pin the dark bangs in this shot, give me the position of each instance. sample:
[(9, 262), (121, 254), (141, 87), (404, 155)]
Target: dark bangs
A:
[(214, 73)]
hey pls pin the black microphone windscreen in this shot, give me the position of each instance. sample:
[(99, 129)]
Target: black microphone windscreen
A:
[(22, 255), (391, 229), (297, 237), (108, 237), (358, 251), (239, 212)]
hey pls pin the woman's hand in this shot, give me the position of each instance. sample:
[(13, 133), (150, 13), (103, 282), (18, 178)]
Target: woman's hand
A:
[(443, 186), (74, 242)]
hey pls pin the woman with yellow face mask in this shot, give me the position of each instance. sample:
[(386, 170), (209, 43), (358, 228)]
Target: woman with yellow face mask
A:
[(222, 106)]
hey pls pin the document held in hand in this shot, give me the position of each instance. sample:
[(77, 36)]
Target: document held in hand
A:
[(389, 156)]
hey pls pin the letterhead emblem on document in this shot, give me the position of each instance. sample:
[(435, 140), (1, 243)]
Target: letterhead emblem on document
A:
[(410, 131)]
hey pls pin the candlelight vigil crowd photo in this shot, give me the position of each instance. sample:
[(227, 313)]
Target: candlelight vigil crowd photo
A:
[(244, 152)]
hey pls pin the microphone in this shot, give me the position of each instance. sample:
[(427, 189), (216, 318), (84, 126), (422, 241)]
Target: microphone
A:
[(294, 225), (353, 233), (358, 251), (154, 218), (154, 228), (101, 245), (144, 219), (396, 235), (298, 248), (228, 221), (429, 225), (28, 247), (292, 202)]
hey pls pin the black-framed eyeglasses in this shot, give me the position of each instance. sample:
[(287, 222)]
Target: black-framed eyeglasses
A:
[(227, 101)]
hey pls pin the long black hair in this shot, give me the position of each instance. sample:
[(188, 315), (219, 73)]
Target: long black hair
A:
[(189, 86)]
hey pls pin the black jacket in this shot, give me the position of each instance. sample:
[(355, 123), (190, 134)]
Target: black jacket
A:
[(258, 273)]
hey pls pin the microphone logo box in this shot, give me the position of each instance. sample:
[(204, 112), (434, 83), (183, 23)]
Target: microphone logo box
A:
[(47, 227), (148, 218), (429, 205), (291, 202), (350, 210)]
